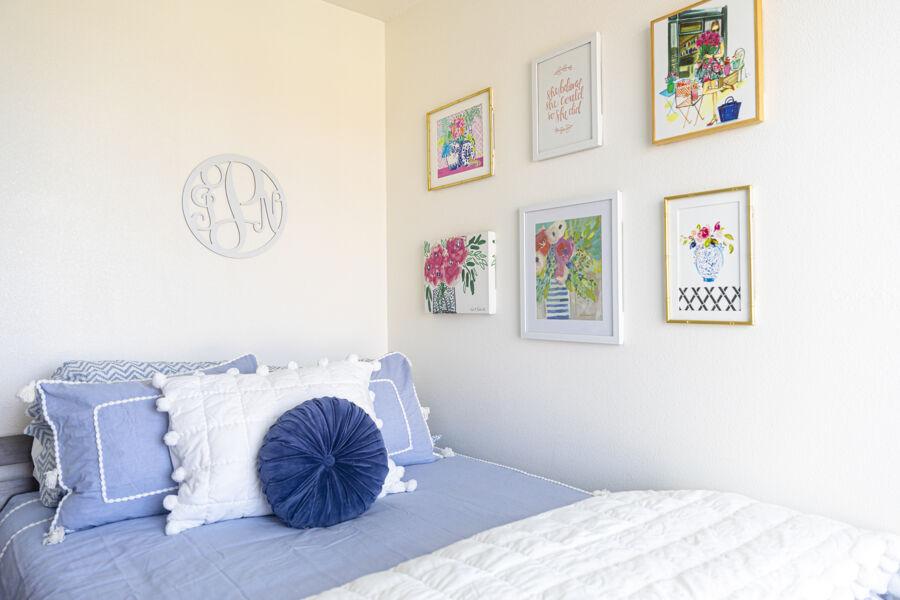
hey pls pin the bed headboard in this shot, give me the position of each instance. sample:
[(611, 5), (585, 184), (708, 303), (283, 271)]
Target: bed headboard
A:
[(15, 467)]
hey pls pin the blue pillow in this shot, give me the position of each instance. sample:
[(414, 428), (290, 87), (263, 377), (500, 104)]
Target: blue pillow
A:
[(406, 434), (111, 459), (105, 371), (322, 463)]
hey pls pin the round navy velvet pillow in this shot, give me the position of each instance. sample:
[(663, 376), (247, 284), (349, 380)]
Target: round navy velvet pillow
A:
[(322, 462)]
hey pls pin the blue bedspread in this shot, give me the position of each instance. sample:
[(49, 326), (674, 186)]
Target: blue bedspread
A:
[(262, 558)]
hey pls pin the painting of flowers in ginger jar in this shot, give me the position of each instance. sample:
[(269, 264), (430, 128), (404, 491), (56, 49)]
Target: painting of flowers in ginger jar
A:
[(708, 258), (461, 140), (460, 274)]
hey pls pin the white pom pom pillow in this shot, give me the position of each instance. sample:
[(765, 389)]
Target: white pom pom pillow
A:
[(217, 424)]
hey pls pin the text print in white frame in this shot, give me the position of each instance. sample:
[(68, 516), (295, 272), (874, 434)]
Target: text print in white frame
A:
[(566, 99)]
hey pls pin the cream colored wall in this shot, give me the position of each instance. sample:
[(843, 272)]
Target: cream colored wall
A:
[(107, 106), (802, 409)]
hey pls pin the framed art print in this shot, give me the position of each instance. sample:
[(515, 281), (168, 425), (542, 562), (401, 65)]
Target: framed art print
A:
[(571, 261), (709, 257), (461, 140), (566, 99), (460, 274), (706, 63)]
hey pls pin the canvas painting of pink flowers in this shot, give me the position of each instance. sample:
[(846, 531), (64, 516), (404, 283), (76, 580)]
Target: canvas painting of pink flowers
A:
[(459, 274), (568, 269)]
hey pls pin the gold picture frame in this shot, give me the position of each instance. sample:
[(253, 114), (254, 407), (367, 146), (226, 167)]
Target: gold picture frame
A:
[(459, 155), (674, 107), (745, 253)]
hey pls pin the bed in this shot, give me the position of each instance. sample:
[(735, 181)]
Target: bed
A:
[(472, 529), (260, 557)]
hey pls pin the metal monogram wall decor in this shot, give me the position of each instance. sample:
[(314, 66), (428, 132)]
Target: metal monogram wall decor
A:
[(234, 206)]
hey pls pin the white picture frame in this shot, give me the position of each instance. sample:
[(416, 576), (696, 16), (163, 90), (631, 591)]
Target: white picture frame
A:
[(572, 315), (566, 99)]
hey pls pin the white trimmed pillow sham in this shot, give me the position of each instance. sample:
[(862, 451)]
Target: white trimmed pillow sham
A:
[(217, 424)]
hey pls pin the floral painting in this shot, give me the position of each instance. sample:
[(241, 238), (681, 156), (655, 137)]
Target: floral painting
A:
[(568, 269), (459, 274), (707, 246), (708, 264), (461, 142), (705, 70)]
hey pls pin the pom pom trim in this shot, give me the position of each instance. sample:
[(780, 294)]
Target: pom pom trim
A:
[(54, 536), (159, 380), (171, 438), (28, 393)]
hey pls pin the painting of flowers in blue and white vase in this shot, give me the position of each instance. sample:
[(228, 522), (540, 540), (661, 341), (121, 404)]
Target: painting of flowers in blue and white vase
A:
[(568, 269), (708, 252)]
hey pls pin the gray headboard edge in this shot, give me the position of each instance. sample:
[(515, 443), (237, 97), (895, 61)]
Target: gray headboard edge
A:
[(15, 467)]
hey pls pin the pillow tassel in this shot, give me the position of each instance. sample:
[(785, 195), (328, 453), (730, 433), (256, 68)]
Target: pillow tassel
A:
[(55, 536), (28, 394), (51, 478)]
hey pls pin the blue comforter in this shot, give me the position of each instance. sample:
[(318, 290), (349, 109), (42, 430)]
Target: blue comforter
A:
[(262, 558)]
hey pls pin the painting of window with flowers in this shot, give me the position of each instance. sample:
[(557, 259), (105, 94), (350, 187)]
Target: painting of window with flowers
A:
[(568, 269), (707, 75), (459, 274)]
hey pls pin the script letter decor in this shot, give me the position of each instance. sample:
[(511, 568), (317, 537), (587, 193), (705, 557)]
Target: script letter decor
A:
[(566, 99), (234, 206), (461, 140), (571, 261), (709, 259), (706, 69)]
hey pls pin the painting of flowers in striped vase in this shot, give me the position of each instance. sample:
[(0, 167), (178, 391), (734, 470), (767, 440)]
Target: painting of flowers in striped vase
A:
[(568, 269), (459, 274)]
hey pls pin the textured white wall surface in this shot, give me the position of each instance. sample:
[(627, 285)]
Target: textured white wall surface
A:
[(106, 107), (801, 409)]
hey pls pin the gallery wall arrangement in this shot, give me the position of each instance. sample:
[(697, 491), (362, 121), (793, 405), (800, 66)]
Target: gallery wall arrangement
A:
[(706, 77)]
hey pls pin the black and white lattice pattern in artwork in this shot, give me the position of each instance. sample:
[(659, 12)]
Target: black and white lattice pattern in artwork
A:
[(721, 298)]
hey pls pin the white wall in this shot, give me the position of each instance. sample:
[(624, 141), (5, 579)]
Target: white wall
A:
[(802, 409), (106, 107)]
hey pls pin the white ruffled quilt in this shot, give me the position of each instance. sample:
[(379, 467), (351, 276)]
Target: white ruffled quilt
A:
[(651, 545)]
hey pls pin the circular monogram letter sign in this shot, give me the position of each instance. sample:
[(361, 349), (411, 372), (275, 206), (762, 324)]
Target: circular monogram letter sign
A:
[(233, 205)]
